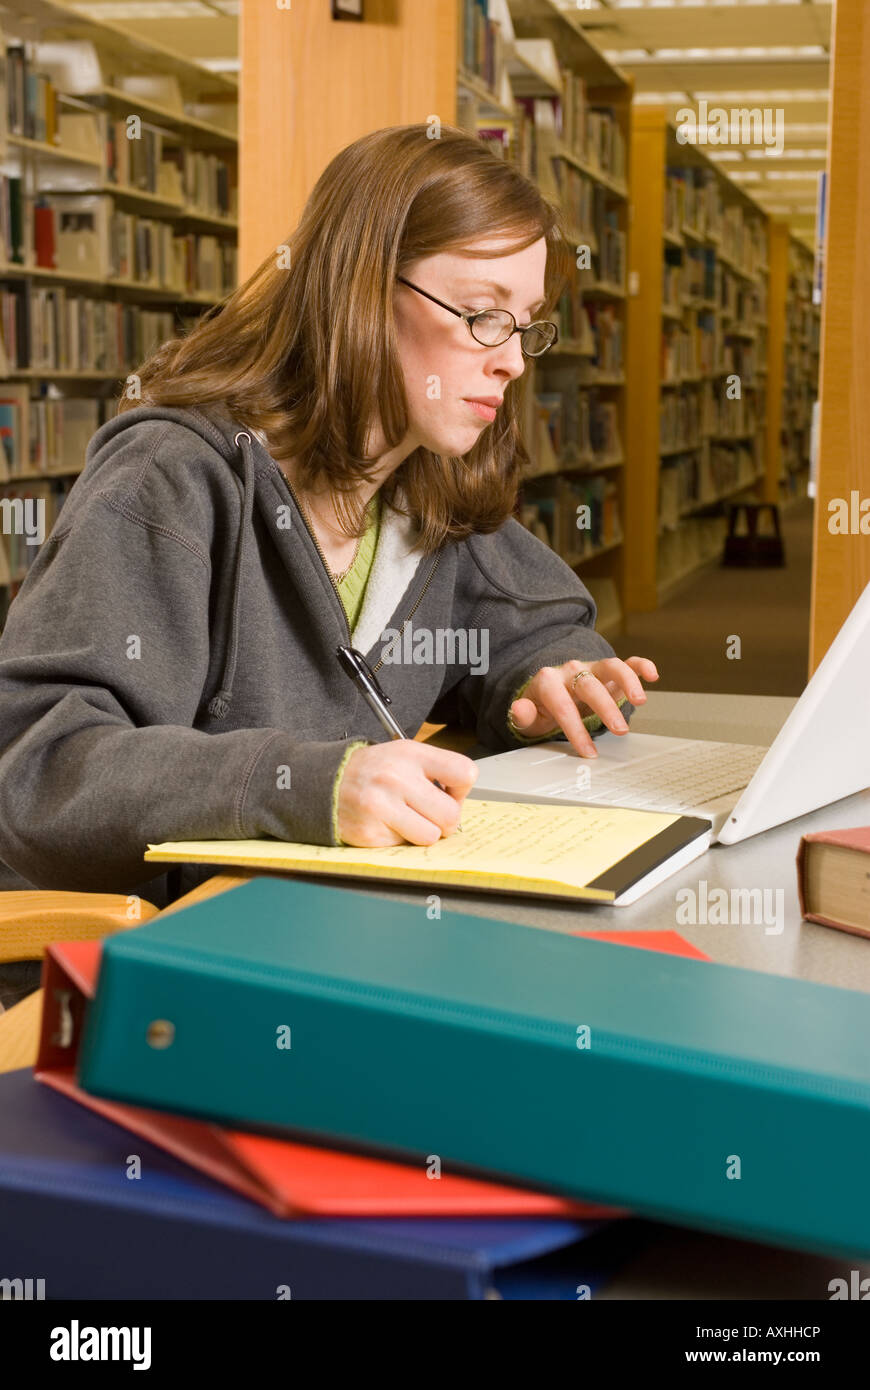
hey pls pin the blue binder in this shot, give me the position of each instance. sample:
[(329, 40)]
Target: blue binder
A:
[(70, 1215)]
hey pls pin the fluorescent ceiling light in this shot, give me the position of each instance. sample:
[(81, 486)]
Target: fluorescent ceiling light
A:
[(793, 175), (787, 154), (146, 9), (669, 4), (779, 53), (768, 95)]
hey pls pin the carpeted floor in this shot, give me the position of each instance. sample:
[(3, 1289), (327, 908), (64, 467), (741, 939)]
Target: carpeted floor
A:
[(768, 609)]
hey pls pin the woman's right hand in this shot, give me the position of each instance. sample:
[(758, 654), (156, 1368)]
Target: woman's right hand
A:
[(387, 795)]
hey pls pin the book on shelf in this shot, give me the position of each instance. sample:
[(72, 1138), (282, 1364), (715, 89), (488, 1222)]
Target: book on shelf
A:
[(693, 203), (58, 329), (590, 515), (208, 182), (680, 420), (582, 202), (705, 476), (573, 322), (576, 516), (134, 163), (45, 434), (546, 437), (85, 234), (82, 233), (607, 329), (543, 129), (583, 428), (574, 108), (15, 218), (31, 97), (60, 431), (7, 364), (672, 284), (195, 179), (696, 541), (15, 427), (29, 511), (485, 32), (79, 134), (15, 326), (605, 143), (679, 354), (497, 138), (611, 253), (4, 102)]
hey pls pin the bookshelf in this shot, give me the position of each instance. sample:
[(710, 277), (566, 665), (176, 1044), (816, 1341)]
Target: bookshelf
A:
[(698, 358), (118, 225), (800, 372), (541, 94)]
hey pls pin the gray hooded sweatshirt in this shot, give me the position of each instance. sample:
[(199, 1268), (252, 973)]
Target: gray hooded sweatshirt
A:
[(168, 669)]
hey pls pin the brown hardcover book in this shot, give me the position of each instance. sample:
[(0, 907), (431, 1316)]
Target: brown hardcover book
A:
[(834, 879)]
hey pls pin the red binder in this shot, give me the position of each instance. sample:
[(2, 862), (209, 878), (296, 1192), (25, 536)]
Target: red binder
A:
[(289, 1179)]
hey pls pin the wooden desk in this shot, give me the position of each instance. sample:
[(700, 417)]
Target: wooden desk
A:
[(671, 1262)]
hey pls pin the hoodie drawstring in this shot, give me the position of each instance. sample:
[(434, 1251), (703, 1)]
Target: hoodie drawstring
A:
[(219, 705)]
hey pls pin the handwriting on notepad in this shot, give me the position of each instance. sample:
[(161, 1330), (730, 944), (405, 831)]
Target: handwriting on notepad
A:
[(518, 837)]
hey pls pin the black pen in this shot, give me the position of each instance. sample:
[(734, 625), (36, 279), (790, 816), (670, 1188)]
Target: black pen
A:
[(366, 682)]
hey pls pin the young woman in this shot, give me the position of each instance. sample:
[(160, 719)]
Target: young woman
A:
[(330, 458)]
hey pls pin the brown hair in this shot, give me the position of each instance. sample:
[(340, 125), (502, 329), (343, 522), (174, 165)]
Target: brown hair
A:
[(308, 353)]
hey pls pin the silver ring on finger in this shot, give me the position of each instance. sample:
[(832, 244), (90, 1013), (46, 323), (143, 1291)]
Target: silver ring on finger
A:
[(580, 676)]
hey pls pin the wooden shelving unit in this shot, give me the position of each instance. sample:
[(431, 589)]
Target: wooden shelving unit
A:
[(549, 100), (84, 302), (697, 359), (800, 373)]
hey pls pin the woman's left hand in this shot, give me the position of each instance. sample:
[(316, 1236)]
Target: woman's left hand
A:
[(559, 698)]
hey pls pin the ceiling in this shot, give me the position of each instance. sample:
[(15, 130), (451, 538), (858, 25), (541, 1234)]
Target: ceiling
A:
[(733, 54)]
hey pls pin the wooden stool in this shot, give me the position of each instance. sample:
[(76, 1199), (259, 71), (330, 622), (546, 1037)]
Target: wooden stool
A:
[(753, 550)]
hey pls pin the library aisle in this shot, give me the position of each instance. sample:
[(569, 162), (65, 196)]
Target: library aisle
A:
[(691, 632)]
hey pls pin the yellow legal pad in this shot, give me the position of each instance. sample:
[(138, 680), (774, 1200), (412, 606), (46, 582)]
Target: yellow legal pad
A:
[(584, 852)]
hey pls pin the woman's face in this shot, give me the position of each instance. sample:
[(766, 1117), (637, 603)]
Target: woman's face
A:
[(445, 368)]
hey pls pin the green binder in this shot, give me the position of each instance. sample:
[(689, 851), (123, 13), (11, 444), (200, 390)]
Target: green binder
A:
[(720, 1098)]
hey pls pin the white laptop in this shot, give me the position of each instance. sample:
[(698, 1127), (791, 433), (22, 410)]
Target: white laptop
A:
[(821, 753)]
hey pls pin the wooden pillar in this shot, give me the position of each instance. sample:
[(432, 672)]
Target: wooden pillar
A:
[(841, 563), (643, 350), (777, 291), (311, 84)]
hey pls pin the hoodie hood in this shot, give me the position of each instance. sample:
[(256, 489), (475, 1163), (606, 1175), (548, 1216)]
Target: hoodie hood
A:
[(235, 444), (397, 558)]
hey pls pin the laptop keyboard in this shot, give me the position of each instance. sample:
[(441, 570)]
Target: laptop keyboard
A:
[(673, 781)]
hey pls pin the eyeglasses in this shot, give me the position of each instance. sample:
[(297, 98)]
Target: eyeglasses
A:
[(491, 327)]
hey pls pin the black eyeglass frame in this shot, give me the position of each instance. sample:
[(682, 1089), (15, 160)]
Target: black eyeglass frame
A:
[(469, 318)]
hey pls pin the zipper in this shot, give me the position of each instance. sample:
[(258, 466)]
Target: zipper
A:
[(407, 619), (322, 557), (335, 586)]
